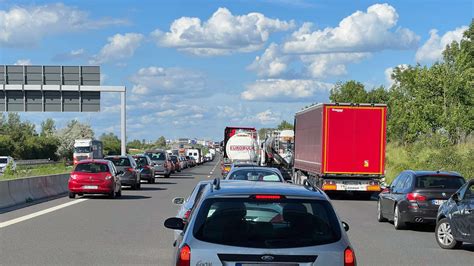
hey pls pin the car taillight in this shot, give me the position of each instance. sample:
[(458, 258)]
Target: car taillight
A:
[(186, 216), (415, 197), (184, 257), (349, 257), (268, 197), (130, 169)]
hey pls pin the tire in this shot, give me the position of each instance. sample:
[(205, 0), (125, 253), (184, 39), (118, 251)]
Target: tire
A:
[(167, 176), (380, 217), (444, 237), (112, 194), (398, 219), (72, 195), (119, 193), (139, 185)]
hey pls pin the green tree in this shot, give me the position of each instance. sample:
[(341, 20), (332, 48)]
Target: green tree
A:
[(161, 142), (348, 92), (48, 127), (285, 125), (378, 95), (111, 144), (135, 144)]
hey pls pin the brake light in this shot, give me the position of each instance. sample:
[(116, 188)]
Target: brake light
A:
[(329, 185), (130, 169), (415, 197), (349, 257), (268, 197), (186, 215), (184, 258)]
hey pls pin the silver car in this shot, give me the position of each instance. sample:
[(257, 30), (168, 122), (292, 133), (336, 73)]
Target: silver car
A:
[(245, 223), (255, 173), (161, 160)]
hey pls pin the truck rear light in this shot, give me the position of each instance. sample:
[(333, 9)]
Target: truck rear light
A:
[(415, 197), (349, 257), (184, 257), (329, 185), (373, 188)]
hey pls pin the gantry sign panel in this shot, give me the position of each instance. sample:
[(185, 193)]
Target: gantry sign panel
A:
[(49, 88)]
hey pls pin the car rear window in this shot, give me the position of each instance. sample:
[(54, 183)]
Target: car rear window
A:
[(174, 159), (255, 223), (91, 168), (119, 161), (255, 175), (141, 161), (439, 181), (160, 156)]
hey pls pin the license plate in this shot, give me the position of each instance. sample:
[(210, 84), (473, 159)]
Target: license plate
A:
[(265, 264), (352, 187), (437, 202), (90, 187)]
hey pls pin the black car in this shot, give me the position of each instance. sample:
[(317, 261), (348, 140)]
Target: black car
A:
[(146, 167), (455, 221), (415, 196)]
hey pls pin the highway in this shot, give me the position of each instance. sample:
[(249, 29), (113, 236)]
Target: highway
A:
[(129, 230)]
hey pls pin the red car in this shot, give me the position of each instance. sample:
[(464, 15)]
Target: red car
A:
[(95, 177), (175, 162)]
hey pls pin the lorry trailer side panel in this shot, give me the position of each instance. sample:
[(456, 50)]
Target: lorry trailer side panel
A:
[(308, 140)]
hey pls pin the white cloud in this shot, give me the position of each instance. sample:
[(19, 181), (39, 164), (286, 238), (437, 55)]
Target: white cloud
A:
[(271, 64), (222, 34), (324, 65), (267, 117), (388, 74), (161, 81), (119, 47), (23, 62), (432, 49), (71, 55), (26, 26), (369, 31), (283, 90)]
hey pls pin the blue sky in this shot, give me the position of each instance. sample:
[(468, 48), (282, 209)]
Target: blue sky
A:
[(193, 67)]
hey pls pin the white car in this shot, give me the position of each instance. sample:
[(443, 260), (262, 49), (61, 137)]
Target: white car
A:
[(4, 161)]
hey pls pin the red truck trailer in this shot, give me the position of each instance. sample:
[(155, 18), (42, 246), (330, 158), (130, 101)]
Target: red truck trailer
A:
[(341, 147)]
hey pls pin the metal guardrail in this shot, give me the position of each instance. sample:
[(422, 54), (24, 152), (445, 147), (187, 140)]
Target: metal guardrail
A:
[(34, 162)]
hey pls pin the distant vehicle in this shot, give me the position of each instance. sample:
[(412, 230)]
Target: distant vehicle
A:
[(146, 167), (196, 154), (277, 151), (341, 147), (183, 163), (245, 223), (187, 205), (175, 161), (95, 177), (455, 219), (209, 157), (162, 162), (415, 196), (240, 144), (256, 173), (191, 162), (128, 167), (4, 161), (87, 149)]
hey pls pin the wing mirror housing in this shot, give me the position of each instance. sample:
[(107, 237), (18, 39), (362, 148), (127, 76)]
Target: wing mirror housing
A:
[(345, 225), (174, 223), (178, 201), (455, 197)]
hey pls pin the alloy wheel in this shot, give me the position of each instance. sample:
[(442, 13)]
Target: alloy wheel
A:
[(444, 234)]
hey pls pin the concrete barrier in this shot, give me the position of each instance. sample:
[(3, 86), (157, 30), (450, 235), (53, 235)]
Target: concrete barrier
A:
[(24, 190), (5, 198)]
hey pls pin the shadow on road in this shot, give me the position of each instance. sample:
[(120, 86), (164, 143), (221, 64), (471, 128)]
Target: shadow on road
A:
[(183, 176), (351, 196), (123, 197), (165, 183), (152, 188)]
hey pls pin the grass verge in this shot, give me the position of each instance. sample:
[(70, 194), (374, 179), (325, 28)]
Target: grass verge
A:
[(23, 171)]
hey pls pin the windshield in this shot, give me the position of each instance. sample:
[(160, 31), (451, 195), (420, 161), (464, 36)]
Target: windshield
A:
[(160, 156), (119, 161), (255, 175), (3, 160), (439, 181), (267, 224), (82, 149), (91, 168)]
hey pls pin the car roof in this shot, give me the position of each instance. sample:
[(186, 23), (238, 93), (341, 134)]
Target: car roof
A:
[(426, 172), (250, 167), (238, 187), (100, 161)]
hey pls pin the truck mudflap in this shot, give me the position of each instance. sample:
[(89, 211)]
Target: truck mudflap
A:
[(351, 185)]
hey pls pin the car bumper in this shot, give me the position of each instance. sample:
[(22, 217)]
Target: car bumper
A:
[(419, 215), (128, 181), (103, 188)]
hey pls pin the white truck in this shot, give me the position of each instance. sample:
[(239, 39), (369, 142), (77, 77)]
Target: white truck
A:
[(87, 149), (5, 161), (240, 145), (196, 154)]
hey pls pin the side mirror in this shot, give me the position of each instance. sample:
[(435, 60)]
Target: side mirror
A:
[(455, 197), (178, 200), (174, 223), (119, 172), (289, 181), (345, 225)]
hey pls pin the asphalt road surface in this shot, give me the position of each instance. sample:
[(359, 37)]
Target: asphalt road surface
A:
[(129, 230)]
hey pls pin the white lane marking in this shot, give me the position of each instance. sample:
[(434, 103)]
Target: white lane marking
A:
[(39, 213)]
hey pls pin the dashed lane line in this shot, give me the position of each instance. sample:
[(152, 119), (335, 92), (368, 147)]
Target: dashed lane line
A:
[(39, 213)]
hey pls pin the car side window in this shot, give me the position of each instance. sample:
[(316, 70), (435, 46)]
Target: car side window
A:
[(469, 192), (406, 187), (399, 186), (395, 182)]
